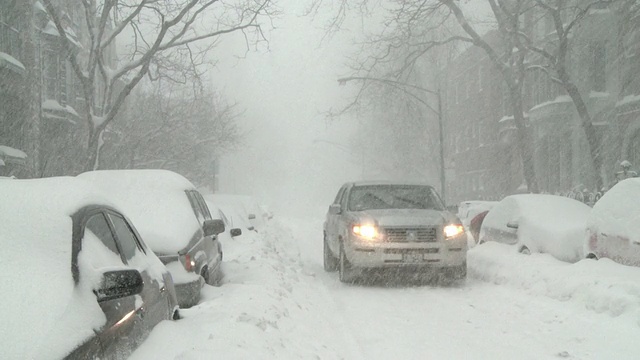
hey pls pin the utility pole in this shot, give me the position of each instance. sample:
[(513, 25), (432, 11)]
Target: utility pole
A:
[(443, 184)]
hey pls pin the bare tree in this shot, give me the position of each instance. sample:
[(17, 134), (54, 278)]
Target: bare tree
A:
[(566, 16), (175, 129), (170, 38), (411, 25)]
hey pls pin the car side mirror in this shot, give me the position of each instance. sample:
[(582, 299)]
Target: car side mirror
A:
[(252, 216), (512, 224), (335, 209), (213, 227), (236, 232), (118, 284)]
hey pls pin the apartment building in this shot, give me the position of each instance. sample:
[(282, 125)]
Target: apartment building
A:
[(603, 60)]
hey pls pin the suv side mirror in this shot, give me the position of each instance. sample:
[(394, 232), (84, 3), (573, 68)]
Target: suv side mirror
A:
[(335, 209), (236, 232), (118, 284), (213, 227)]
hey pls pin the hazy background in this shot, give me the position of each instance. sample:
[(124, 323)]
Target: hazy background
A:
[(292, 159)]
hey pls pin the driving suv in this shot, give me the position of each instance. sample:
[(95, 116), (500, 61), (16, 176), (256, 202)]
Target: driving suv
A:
[(382, 225)]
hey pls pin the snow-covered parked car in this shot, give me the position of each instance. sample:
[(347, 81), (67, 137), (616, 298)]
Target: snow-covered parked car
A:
[(217, 213), (174, 220), (467, 210), (78, 280), (613, 226), (243, 205), (392, 225), (538, 223)]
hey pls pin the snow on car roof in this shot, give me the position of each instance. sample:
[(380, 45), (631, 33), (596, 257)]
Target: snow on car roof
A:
[(555, 222), (547, 207), (38, 287), (156, 203), (618, 212)]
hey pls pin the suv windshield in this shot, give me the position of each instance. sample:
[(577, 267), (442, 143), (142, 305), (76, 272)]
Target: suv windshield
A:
[(369, 197)]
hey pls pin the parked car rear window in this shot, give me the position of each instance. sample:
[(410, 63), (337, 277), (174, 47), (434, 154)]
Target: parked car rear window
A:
[(368, 197)]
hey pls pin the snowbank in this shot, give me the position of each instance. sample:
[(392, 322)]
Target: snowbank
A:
[(602, 286), (262, 311)]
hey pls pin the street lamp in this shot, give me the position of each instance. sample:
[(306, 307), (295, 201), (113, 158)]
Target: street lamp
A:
[(403, 87)]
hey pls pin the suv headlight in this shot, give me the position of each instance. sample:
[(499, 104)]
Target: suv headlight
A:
[(367, 232), (453, 230)]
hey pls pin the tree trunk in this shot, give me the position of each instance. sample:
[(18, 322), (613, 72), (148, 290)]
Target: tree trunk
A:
[(93, 151), (587, 125), (524, 140)]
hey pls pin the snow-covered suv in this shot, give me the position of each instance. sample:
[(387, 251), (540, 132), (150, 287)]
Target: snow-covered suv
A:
[(392, 225)]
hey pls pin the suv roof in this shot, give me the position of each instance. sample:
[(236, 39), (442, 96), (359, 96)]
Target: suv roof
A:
[(388, 182)]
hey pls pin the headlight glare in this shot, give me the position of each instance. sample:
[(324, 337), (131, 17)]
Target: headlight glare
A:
[(453, 230), (368, 232)]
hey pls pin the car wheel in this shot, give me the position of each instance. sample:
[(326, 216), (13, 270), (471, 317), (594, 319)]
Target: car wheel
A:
[(450, 275), (525, 250), (592, 256), (205, 275), (345, 270), (460, 272), (215, 279), (330, 261), (176, 315)]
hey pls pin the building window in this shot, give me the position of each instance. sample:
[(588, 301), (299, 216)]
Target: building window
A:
[(598, 67), (50, 74), (506, 109), (9, 38)]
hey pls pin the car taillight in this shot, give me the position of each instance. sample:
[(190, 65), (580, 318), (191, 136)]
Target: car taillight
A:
[(188, 262)]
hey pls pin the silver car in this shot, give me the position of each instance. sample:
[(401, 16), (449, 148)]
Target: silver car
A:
[(392, 225), (175, 222)]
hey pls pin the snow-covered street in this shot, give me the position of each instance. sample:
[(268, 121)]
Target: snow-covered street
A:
[(278, 303)]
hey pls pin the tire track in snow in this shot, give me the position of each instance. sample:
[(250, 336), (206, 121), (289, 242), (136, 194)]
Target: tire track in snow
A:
[(325, 302)]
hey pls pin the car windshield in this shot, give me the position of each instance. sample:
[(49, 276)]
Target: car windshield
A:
[(371, 197)]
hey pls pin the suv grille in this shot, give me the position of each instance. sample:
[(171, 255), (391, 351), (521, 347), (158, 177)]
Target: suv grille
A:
[(427, 234)]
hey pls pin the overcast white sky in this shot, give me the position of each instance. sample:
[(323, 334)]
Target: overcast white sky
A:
[(288, 161)]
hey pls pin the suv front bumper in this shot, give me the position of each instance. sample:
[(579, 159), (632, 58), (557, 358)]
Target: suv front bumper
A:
[(440, 254)]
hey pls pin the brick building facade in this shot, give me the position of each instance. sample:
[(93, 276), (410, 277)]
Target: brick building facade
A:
[(41, 100)]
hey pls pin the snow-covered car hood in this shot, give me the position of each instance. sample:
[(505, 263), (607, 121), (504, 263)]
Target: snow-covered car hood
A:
[(403, 217)]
